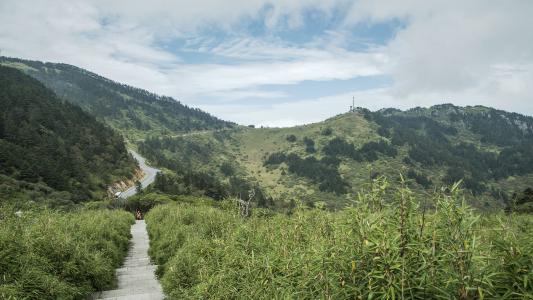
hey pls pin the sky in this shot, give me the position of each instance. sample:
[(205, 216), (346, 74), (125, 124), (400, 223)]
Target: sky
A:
[(284, 63)]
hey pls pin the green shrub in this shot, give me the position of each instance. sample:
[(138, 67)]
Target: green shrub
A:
[(291, 138), (376, 249), (145, 202), (52, 255)]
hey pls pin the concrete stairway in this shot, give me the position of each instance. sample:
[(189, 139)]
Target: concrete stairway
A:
[(136, 278)]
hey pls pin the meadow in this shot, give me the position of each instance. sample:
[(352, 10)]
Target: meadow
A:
[(385, 245), (60, 255)]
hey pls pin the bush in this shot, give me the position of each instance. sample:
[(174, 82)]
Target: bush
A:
[(227, 169), (327, 131), (419, 178), (309, 145), (51, 255), (291, 138), (145, 202), (376, 249), (323, 172)]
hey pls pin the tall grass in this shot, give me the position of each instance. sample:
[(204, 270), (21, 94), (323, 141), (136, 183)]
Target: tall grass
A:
[(53, 255), (377, 249)]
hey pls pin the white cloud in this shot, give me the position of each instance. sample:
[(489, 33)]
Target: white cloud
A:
[(206, 79), (109, 39), (457, 48), (466, 52), (303, 111)]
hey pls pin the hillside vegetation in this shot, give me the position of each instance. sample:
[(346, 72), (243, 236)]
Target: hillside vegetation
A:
[(48, 145), (134, 112), (489, 150), (53, 255), (382, 247)]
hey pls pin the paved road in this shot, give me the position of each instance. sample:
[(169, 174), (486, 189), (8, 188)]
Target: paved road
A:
[(136, 279), (149, 175)]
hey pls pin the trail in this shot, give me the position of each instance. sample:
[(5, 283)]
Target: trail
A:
[(136, 278)]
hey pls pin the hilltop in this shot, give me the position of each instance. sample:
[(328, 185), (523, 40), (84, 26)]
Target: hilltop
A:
[(330, 161)]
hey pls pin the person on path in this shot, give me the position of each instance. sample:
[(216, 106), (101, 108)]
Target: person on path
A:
[(138, 214)]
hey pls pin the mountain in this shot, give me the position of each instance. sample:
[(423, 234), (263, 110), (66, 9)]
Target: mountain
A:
[(134, 112), (490, 150), (51, 148)]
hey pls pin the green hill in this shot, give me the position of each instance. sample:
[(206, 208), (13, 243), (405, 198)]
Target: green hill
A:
[(134, 112), (490, 150), (53, 149)]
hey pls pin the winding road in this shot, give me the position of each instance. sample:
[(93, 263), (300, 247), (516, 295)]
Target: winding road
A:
[(149, 175)]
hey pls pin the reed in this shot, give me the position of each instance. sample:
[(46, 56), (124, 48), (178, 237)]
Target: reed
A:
[(384, 246), (54, 255)]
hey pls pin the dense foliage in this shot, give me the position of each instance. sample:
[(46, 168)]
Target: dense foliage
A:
[(217, 183), (43, 139), (376, 249), (22, 194), (131, 110), (420, 178), (323, 171), (521, 202), (432, 137), (51, 255), (368, 152), (309, 145)]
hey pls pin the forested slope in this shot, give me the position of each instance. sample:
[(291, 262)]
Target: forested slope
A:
[(490, 150), (49, 145), (134, 112)]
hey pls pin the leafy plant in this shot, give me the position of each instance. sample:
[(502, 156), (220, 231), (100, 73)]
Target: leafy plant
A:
[(52, 255), (385, 246)]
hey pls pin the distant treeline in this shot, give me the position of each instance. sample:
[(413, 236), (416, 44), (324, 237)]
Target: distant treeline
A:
[(433, 143), (324, 171)]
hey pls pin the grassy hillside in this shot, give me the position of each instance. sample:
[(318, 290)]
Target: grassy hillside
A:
[(489, 150), (134, 112), (381, 247), (48, 145)]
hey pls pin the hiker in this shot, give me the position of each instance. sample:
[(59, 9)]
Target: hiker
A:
[(138, 214)]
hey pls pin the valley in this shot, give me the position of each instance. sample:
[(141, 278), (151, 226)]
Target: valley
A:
[(353, 206), (264, 150)]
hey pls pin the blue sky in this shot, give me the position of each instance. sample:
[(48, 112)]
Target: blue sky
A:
[(283, 63)]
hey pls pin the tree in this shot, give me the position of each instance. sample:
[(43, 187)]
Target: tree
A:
[(309, 145), (327, 131), (45, 139), (138, 186)]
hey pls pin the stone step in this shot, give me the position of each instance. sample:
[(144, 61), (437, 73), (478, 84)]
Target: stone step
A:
[(153, 290), (136, 278), (145, 296), (134, 269), (149, 275)]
